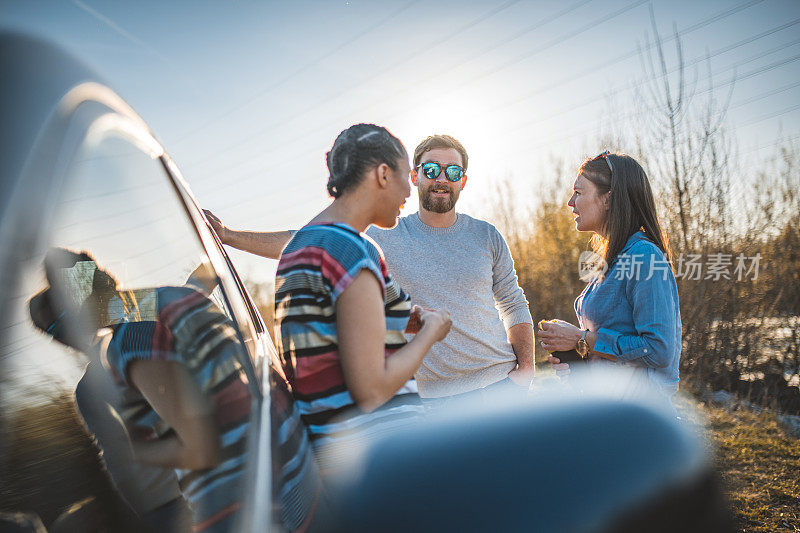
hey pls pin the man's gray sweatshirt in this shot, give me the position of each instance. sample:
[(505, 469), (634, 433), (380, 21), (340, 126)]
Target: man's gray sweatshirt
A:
[(467, 270)]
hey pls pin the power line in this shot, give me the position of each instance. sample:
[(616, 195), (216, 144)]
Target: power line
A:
[(263, 92), (757, 71), (553, 42), (416, 54), (136, 187), (771, 115), (764, 95), (596, 131), (571, 134), (587, 27), (714, 18), (636, 51), (634, 114), (121, 31), (643, 80), (776, 142), (271, 127)]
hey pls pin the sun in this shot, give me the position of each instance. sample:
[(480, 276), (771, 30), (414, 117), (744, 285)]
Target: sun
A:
[(494, 155)]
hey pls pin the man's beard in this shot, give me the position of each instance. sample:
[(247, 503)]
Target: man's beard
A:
[(438, 205)]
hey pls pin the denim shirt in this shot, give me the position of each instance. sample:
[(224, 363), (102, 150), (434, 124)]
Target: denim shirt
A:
[(634, 311)]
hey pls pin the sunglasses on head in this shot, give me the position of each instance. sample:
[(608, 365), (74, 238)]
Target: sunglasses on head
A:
[(432, 169), (605, 155)]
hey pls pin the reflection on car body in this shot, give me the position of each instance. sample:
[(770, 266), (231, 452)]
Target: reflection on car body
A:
[(91, 178), (187, 401)]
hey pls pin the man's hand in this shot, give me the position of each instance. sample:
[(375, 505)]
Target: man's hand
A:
[(217, 226), (562, 369)]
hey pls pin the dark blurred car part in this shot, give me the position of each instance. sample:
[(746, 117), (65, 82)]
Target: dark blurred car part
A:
[(586, 465)]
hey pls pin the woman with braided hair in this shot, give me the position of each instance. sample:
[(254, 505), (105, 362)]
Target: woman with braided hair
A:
[(339, 315)]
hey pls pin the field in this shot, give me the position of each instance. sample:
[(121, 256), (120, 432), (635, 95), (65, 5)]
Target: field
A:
[(760, 467)]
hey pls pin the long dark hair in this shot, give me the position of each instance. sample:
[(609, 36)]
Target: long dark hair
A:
[(356, 150), (631, 204)]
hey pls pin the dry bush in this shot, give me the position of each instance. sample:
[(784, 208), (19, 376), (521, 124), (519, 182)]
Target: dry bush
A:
[(741, 335), (545, 247), (738, 334), (50, 463)]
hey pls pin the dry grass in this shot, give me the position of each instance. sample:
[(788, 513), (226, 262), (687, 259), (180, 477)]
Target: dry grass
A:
[(760, 467), (51, 464)]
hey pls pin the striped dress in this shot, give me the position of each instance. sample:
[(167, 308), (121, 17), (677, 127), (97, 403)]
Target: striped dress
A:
[(189, 328), (317, 265)]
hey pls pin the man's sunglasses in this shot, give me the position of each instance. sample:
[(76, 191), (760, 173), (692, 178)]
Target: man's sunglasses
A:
[(431, 170), (605, 155)]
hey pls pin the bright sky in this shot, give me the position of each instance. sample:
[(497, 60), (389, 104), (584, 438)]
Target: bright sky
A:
[(247, 96)]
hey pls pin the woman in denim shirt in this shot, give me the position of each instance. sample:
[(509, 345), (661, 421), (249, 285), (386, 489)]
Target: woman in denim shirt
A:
[(628, 313)]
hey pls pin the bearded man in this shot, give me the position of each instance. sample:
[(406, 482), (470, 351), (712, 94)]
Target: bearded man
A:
[(446, 260)]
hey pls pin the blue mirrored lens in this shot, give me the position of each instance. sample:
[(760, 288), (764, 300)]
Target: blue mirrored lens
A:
[(431, 170), (454, 172)]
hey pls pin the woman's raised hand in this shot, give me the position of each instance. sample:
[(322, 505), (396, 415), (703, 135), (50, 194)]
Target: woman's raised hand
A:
[(217, 226), (436, 321)]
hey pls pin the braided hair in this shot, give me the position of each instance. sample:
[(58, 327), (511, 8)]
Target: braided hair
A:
[(356, 150)]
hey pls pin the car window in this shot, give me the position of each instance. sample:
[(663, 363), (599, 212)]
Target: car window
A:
[(124, 284)]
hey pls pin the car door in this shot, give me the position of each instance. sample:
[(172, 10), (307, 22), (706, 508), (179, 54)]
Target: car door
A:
[(99, 184)]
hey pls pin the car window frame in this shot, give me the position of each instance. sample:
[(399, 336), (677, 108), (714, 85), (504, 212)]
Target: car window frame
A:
[(258, 501), (35, 197)]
